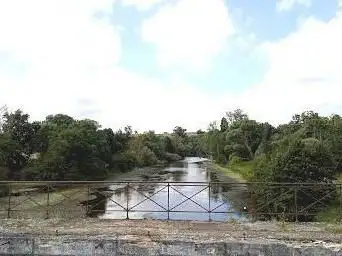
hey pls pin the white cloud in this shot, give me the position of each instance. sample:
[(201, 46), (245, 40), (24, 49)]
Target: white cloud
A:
[(286, 5), (59, 44), (143, 5), (189, 33), (304, 74), (339, 8), (59, 34), (64, 60)]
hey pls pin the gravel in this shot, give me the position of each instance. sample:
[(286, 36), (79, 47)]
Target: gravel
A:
[(182, 230)]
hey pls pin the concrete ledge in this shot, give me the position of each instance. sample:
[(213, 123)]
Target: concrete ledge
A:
[(144, 245)]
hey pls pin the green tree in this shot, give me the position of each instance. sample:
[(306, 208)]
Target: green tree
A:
[(179, 131), (236, 116), (306, 160), (224, 124), (18, 127)]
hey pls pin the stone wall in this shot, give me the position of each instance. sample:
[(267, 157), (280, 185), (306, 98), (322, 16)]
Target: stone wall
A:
[(14, 244)]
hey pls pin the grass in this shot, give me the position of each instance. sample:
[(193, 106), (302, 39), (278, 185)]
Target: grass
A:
[(242, 171), (333, 213), (243, 168), (228, 172), (334, 229)]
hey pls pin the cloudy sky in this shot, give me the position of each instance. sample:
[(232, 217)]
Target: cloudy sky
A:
[(155, 64)]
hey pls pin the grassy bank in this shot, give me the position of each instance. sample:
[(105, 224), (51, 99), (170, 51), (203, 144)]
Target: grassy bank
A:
[(228, 172), (241, 171), (333, 212)]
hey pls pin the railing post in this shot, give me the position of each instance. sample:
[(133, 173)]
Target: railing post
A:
[(88, 198), (168, 201), (340, 196), (127, 210), (48, 201), (9, 201), (209, 203), (268, 205), (296, 202)]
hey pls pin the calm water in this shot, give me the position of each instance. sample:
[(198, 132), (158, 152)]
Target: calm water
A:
[(223, 199)]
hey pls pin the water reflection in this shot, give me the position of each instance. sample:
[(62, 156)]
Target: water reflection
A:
[(152, 200)]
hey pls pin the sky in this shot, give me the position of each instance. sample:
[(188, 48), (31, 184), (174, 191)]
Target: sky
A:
[(157, 64)]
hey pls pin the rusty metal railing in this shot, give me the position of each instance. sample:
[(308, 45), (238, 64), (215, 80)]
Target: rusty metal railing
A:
[(168, 200)]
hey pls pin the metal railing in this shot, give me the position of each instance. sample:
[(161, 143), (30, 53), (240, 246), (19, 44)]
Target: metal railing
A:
[(167, 200)]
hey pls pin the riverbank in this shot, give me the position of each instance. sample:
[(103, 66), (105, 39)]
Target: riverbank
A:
[(32, 200), (241, 171), (226, 171), (332, 213)]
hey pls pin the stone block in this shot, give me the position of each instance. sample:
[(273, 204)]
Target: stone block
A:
[(277, 249), (134, 248), (16, 245), (176, 248), (206, 249), (316, 251), (236, 249), (68, 246)]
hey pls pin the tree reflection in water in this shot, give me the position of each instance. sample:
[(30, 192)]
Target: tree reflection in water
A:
[(227, 197)]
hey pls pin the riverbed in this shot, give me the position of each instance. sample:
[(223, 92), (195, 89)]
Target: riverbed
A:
[(177, 192)]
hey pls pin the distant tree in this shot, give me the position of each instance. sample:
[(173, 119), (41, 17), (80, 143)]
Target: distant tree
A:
[(236, 116), (224, 124), (60, 120), (199, 132), (12, 158), (179, 131), (18, 127)]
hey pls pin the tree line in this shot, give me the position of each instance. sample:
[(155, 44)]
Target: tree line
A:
[(64, 148), (307, 149)]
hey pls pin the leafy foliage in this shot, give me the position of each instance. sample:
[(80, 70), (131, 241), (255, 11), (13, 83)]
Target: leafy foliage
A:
[(306, 149), (62, 148)]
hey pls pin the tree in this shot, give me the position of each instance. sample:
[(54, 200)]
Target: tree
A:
[(266, 138), (60, 120), (16, 142), (169, 146), (19, 129), (246, 136), (179, 131), (78, 151), (306, 160), (3, 110), (236, 116), (12, 160), (224, 124), (199, 131)]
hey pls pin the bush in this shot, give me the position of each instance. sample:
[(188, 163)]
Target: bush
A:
[(305, 161), (148, 157), (235, 160), (172, 157)]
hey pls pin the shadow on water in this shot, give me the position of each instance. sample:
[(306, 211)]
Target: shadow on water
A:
[(96, 205), (152, 200)]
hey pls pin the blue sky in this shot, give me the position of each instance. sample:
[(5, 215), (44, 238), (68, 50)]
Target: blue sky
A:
[(155, 64)]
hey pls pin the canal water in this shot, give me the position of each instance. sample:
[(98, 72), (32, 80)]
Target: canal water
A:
[(190, 200)]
